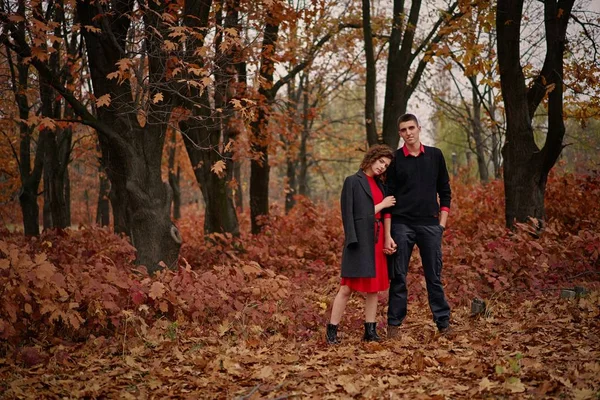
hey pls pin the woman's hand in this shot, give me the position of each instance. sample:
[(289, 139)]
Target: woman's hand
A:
[(389, 201), (389, 245)]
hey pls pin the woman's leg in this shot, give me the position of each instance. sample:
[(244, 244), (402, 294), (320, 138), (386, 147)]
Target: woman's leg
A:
[(339, 304), (370, 317), (370, 307)]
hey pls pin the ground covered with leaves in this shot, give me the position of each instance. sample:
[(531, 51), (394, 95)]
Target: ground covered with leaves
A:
[(244, 318)]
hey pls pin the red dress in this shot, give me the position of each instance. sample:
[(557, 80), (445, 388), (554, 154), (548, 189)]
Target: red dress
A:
[(380, 282)]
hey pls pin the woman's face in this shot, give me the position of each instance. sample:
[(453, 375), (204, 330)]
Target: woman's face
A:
[(380, 165)]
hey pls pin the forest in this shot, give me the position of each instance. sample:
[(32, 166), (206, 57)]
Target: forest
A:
[(170, 179)]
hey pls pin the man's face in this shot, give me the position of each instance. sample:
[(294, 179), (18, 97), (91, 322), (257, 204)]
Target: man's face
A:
[(409, 131)]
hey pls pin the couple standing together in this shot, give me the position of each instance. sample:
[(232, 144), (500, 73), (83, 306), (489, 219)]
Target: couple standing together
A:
[(377, 226)]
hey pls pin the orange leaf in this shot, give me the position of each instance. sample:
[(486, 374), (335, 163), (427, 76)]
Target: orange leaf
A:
[(219, 168), (103, 100), (156, 290), (157, 97)]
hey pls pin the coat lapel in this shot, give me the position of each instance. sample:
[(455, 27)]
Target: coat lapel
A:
[(364, 183)]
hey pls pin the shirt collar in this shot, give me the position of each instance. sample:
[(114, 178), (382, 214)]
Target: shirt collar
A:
[(407, 153)]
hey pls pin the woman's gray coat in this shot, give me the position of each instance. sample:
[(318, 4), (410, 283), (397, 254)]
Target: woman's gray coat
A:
[(358, 217)]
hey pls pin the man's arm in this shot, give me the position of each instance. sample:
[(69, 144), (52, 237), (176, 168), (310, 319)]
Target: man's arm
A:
[(443, 218)]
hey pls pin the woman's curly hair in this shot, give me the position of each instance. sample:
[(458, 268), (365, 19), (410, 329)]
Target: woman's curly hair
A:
[(375, 153)]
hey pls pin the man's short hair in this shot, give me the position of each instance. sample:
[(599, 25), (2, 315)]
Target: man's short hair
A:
[(407, 117)]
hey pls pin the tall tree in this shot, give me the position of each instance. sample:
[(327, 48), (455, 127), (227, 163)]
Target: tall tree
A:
[(30, 176), (267, 93), (405, 50), (259, 165), (371, 78), (131, 142), (62, 60), (526, 166), (206, 129)]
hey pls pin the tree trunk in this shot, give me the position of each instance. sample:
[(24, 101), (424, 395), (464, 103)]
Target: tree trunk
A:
[(207, 130), (526, 167), (371, 79), (220, 213), (239, 196), (495, 136), (30, 177), (401, 82), (477, 133), (399, 60), (259, 165), (58, 144), (174, 178), (132, 152), (102, 208), (56, 156), (291, 184), (303, 157), (242, 73)]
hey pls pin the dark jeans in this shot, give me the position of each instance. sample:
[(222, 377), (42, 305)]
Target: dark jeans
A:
[(429, 240)]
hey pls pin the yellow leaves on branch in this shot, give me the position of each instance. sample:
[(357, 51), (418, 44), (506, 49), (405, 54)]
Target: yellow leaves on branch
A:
[(91, 28), (179, 32), (123, 72)]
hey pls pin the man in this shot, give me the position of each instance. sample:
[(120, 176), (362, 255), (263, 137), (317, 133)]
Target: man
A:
[(416, 177)]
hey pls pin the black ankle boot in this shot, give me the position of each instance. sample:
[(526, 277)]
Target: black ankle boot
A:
[(371, 332), (331, 335)]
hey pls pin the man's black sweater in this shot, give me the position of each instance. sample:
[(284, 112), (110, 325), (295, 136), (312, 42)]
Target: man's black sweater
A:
[(416, 182)]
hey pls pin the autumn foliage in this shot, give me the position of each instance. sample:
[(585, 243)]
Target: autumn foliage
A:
[(81, 286), (77, 282)]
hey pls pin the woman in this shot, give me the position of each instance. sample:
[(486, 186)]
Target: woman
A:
[(364, 265)]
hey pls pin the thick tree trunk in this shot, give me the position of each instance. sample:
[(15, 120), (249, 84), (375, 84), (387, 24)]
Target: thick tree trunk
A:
[(131, 151), (526, 167), (524, 186), (30, 210)]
